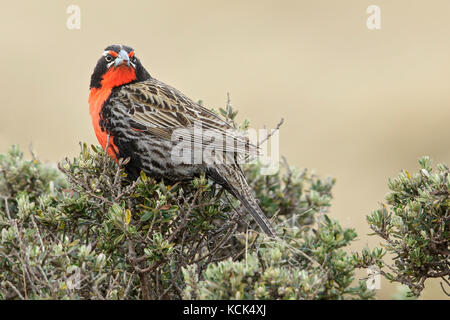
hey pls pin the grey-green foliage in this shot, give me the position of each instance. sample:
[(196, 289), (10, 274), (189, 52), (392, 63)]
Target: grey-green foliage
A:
[(85, 232), (27, 177), (100, 236), (306, 263), (415, 226)]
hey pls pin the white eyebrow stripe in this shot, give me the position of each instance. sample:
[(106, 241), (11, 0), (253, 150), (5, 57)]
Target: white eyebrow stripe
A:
[(106, 53)]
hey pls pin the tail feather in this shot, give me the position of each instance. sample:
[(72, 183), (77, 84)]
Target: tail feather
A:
[(232, 178), (257, 214)]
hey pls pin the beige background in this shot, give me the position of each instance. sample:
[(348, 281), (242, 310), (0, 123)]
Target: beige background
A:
[(359, 105)]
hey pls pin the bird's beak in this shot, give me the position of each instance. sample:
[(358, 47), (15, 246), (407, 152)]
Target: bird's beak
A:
[(122, 58)]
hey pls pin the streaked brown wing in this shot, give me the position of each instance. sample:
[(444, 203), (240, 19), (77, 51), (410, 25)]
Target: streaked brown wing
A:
[(160, 109)]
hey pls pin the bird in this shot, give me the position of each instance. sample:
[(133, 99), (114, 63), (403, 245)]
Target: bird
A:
[(136, 116)]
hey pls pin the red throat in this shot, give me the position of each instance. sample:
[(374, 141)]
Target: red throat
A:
[(114, 77)]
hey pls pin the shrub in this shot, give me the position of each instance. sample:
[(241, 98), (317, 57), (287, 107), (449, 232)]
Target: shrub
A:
[(415, 225), (87, 232)]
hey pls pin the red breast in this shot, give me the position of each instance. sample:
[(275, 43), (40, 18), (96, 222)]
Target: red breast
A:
[(114, 77)]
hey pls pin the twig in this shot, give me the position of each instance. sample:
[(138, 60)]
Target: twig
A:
[(272, 132), (33, 155), (130, 281), (229, 110), (15, 289), (442, 286)]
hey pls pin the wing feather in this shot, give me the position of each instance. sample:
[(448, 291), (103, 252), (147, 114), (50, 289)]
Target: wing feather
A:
[(161, 110)]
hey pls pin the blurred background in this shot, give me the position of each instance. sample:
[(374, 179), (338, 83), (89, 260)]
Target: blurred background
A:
[(359, 105)]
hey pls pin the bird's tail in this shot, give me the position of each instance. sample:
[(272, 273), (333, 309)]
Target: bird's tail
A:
[(232, 179), (253, 208)]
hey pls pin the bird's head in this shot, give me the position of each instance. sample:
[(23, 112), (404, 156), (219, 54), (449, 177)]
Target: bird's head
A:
[(117, 66)]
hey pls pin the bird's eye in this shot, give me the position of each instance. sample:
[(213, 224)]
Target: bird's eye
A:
[(108, 58), (133, 60)]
